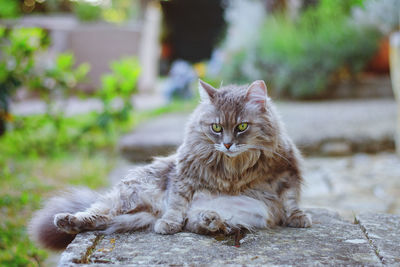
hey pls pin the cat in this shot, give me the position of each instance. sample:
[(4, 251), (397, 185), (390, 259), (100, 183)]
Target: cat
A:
[(236, 168)]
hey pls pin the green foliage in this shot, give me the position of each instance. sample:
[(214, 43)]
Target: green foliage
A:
[(86, 11), (121, 83), (60, 77), (44, 152), (24, 181), (18, 67), (9, 9), (18, 49), (17, 59), (54, 83), (303, 58), (116, 11), (16, 202), (121, 10), (41, 135)]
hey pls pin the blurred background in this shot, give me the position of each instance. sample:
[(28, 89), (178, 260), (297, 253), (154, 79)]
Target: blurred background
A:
[(92, 88)]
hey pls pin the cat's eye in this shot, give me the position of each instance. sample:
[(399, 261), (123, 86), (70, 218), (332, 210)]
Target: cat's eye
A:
[(216, 127), (243, 126)]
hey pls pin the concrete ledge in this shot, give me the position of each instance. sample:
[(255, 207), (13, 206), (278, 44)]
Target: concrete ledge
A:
[(373, 241), (383, 233)]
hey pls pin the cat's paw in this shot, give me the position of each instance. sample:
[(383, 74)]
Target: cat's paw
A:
[(211, 221), (167, 227), (67, 223), (299, 219)]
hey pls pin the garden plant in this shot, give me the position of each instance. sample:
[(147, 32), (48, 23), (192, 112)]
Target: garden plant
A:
[(305, 56), (44, 152)]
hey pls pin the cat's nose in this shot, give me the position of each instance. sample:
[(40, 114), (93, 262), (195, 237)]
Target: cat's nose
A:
[(227, 145)]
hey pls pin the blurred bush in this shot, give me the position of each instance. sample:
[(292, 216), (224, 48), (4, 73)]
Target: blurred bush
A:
[(39, 153), (116, 11), (17, 53), (54, 132), (86, 11), (304, 57), (120, 83), (9, 9)]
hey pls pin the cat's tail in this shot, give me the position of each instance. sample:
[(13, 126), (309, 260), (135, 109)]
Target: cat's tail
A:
[(41, 228)]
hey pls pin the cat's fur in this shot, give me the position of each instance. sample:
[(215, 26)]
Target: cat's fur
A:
[(216, 181)]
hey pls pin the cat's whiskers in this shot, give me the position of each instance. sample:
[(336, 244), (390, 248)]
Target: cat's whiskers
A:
[(269, 150), (235, 149)]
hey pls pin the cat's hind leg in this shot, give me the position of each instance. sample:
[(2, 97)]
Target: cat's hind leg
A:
[(127, 207), (42, 228), (90, 219), (205, 222), (96, 217)]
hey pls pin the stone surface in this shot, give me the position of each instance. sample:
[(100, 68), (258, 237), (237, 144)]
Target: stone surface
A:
[(331, 240), (353, 184), (329, 128), (368, 126), (383, 231), (158, 137), (80, 249)]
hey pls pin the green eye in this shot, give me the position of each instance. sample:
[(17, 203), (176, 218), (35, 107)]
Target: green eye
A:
[(216, 128), (243, 126)]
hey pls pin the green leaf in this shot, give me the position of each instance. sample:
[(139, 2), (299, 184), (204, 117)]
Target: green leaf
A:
[(65, 61)]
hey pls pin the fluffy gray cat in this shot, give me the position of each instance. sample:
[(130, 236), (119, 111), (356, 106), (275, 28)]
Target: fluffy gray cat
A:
[(236, 168)]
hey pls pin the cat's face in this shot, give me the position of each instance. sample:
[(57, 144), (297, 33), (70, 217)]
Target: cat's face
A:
[(235, 119)]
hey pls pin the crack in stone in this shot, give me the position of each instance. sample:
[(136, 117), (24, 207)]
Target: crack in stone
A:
[(370, 241), (86, 257)]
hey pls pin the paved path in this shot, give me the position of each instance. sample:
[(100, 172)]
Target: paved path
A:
[(323, 128), (373, 241)]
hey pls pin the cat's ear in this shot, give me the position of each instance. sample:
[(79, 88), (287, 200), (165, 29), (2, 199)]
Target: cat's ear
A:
[(257, 94), (207, 92)]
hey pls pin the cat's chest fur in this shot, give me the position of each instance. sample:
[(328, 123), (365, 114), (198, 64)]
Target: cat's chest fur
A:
[(229, 175)]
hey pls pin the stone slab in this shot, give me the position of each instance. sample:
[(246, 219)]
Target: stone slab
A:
[(160, 136), (353, 185), (383, 231), (330, 241), (318, 128)]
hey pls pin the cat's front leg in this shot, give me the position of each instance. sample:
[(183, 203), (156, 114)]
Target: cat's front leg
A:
[(173, 219), (295, 217)]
